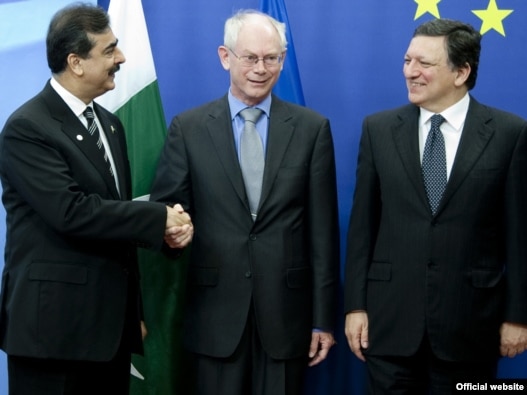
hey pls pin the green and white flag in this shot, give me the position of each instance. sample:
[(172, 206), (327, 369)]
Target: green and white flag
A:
[(136, 101), (136, 98)]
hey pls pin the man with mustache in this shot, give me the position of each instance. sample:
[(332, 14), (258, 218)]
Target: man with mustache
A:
[(70, 305)]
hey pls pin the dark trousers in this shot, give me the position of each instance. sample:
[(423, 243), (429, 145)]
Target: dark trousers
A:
[(249, 371), (424, 373), (32, 376)]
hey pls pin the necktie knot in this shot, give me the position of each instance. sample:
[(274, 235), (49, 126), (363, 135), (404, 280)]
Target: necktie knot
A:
[(436, 120), (88, 113), (92, 126), (250, 114)]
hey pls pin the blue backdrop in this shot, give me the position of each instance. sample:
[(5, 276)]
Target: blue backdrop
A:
[(350, 57)]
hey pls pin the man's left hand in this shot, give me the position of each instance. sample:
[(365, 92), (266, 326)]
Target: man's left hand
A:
[(321, 342), (513, 339)]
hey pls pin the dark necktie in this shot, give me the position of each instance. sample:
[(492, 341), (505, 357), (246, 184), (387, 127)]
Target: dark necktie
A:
[(252, 160), (94, 132), (434, 163)]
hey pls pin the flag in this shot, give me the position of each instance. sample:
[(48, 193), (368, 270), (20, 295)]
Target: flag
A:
[(288, 86), (136, 101), (136, 98)]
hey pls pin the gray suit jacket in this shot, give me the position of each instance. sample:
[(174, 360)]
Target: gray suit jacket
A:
[(284, 265), (459, 274)]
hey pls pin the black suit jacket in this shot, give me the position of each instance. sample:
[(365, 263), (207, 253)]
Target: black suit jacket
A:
[(456, 275), (70, 253), (286, 263)]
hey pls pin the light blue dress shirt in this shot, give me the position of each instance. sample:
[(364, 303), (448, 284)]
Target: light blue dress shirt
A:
[(262, 125)]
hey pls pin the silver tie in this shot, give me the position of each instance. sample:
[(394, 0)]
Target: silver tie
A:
[(252, 160)]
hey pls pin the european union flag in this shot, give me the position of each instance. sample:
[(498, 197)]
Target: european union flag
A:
[(288, 86), (383, 32)]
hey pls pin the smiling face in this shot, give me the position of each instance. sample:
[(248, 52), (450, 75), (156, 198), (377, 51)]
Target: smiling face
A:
[(252, 84), (432, 82), (99, 68)]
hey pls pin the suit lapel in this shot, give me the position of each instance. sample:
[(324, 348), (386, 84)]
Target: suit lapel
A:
[(406, 138), (79, 135), (113, 135), (279, 135), (220, 130), (474, 139)]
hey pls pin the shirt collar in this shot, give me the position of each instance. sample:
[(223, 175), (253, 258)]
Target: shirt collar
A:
[(74, 103), (455, 115), (237, 105)]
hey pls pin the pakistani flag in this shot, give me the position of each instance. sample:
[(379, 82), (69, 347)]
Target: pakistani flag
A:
[(136, 101), (135, 98)]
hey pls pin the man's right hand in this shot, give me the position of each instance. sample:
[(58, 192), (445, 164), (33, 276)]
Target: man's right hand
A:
[(179, 229), (176, 216), (356, 329)]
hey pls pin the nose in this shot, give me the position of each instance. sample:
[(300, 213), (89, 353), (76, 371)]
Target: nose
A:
[(410, 68), (259, 66), (119, 56)]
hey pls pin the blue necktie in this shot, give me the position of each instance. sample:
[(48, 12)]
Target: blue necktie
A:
[(252, 160), (434, 163)]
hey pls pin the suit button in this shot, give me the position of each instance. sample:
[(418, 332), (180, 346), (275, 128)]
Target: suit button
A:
[(248, 274), (252, 237)]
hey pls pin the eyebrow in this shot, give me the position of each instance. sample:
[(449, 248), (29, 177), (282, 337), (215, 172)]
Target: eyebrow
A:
[(111, 45)]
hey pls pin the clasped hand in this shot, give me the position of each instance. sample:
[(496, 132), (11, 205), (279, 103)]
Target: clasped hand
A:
[(179, 229)]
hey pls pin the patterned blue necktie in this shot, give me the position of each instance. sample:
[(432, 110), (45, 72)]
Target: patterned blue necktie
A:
[(252, 161), (434, 163)]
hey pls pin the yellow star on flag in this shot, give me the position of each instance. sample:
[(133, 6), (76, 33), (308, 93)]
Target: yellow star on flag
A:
[(424, 6), (492, 18)]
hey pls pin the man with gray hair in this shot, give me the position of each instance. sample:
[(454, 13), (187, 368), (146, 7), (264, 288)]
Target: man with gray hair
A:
[(257, 174)]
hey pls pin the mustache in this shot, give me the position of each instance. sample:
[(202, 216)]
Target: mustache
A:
[(115, 69)]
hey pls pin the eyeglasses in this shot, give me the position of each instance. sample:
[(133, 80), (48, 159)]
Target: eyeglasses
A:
[(251, 60)]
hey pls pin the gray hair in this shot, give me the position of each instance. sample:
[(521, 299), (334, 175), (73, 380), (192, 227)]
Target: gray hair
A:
[(234, 24)]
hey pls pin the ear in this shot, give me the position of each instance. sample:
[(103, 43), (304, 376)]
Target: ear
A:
[(462, 74), (75, 64), (283, 60), (223, 53)]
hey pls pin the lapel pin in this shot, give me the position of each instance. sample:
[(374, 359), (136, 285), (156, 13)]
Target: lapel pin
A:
[(113, 129), (79, 137)]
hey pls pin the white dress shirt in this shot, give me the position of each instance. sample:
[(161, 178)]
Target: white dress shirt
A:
[(451, 128), (78, 107)]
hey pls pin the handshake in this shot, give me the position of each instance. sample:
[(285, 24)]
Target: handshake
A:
[(179, 229)]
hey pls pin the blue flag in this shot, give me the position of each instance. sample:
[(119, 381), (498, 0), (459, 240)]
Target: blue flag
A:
[(288, 86)]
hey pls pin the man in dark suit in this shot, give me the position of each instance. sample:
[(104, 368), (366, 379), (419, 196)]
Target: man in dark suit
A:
[(70, 303), (262, 280), (437, 286)]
